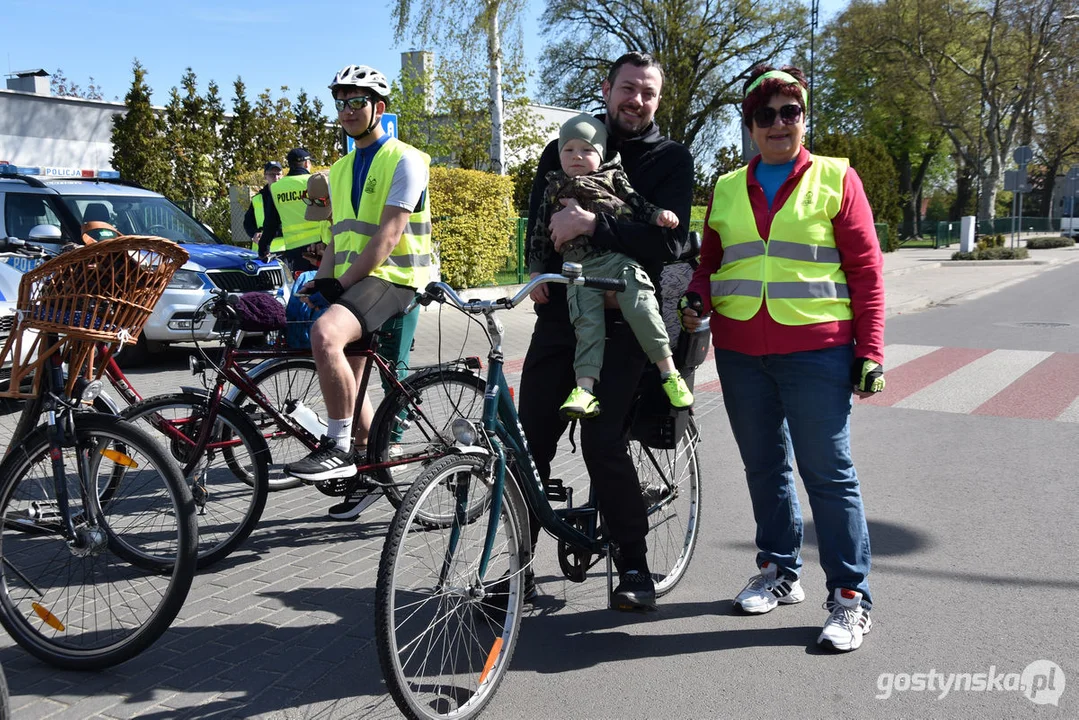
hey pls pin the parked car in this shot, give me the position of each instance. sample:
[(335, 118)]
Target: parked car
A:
[(29, 199)]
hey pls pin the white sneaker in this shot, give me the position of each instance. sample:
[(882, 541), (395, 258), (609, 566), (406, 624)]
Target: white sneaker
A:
[(848, 622), (765, 591)]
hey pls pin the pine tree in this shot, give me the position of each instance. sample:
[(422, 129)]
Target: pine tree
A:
[(138, 144), (191, 138), (242, 154), (274, 131), (307, 127), (329, 135), (214, 123)]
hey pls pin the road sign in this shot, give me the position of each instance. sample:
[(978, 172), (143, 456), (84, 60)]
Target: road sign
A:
[(389, 126), (1023, 154)]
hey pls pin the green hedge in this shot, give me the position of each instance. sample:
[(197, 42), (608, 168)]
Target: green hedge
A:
[(473, 224), (1045, 243)]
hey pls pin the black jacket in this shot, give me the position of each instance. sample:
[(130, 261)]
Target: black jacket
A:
[(661, 170), (250, 226)]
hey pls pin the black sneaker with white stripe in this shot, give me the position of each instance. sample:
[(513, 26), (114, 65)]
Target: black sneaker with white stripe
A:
[(355, 503), (327, 462)]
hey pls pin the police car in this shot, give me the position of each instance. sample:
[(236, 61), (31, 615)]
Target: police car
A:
[(65, 199)]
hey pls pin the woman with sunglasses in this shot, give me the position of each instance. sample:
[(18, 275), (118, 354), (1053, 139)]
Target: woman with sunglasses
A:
[(792, 271)]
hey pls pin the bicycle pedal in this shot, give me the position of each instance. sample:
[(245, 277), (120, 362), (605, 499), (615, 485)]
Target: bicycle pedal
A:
[(556, 490)]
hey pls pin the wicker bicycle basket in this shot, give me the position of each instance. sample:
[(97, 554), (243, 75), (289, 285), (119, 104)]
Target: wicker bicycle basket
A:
[(83, 304)]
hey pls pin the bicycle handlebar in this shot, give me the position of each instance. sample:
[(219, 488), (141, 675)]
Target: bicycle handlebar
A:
[(441, 292), (17, 247)]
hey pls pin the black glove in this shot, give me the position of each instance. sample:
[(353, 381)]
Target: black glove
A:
[(867, 376), (329, 288), (692, 301)]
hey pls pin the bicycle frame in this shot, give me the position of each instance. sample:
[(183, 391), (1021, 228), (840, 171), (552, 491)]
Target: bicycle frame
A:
[(231, 371), (504, 432)]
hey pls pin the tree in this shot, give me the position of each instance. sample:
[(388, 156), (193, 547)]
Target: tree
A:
[(137, 137), (1056, 132), (727, 158), (60, 86), (274, 127), (241, 153), (979, 64), (311, 130), (443, 112), (191, 137), (450, 23), (869, 157), (868, 90), (706, 48)]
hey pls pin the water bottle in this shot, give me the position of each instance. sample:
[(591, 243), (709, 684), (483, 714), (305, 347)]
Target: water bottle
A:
[(308, 419), (693, 346)]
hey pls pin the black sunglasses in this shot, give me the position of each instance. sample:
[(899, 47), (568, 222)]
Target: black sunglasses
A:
[(356, 103), (317, 202), (765, 116)]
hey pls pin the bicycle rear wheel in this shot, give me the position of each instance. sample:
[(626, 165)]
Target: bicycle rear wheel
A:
[(670, 483), (92, 606), (414, 426), (445, 636), (286, 384), (227, 507)]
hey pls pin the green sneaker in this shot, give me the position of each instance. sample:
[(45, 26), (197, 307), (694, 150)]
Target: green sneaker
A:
[(579, 405), (677, 390)]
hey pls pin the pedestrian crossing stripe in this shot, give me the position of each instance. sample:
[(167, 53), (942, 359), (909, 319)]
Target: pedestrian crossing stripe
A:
[(1031, 384)]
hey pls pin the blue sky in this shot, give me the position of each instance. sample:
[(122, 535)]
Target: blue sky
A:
[(268, 43)]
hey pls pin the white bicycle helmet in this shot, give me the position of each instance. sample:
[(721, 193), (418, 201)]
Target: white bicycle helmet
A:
[(362, 76)]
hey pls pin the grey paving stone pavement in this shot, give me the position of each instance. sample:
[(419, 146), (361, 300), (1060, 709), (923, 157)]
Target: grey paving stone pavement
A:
[(283, 628)]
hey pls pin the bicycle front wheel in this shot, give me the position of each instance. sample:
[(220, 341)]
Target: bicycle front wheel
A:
[(286, 384), (445, 635), (81, 603), (227, 507), (413, 427), (670, 483)]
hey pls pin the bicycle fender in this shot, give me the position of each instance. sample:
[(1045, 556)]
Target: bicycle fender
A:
[(469, 450)]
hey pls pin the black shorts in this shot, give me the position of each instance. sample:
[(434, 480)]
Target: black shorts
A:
[(374, 301)]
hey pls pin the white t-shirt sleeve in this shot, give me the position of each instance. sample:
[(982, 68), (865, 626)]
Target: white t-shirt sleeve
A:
[(409, 182)]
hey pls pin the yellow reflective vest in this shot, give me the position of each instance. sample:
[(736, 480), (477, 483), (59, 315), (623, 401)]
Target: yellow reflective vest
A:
[(796, 274), (260, 217), (410, 262), (288, 194)]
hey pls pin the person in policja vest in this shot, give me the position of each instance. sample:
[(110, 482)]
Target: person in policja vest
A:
[(255, 217), (379, 255), (286, 232), (792, 272)]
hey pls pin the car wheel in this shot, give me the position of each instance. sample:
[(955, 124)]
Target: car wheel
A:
[(133, 355)]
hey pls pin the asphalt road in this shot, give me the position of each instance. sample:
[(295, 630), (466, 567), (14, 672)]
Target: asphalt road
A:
[(971, 503)]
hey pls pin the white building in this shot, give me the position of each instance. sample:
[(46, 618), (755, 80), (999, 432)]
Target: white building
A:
[(38, 129)]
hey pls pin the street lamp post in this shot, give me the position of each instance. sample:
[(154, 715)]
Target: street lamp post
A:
[(813, 13)]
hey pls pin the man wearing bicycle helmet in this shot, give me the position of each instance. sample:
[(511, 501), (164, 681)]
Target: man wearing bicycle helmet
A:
[(378, 256), (661, 170)]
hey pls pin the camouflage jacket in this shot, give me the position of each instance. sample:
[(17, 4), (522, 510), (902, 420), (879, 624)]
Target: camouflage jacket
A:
[(605, 191)]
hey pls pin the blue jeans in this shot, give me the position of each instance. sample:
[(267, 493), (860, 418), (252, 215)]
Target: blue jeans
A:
[(796, 407)]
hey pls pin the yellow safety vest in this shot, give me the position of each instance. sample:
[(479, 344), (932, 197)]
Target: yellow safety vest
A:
[(288, 194), (410, 262), (796, 274), (260, 216)]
